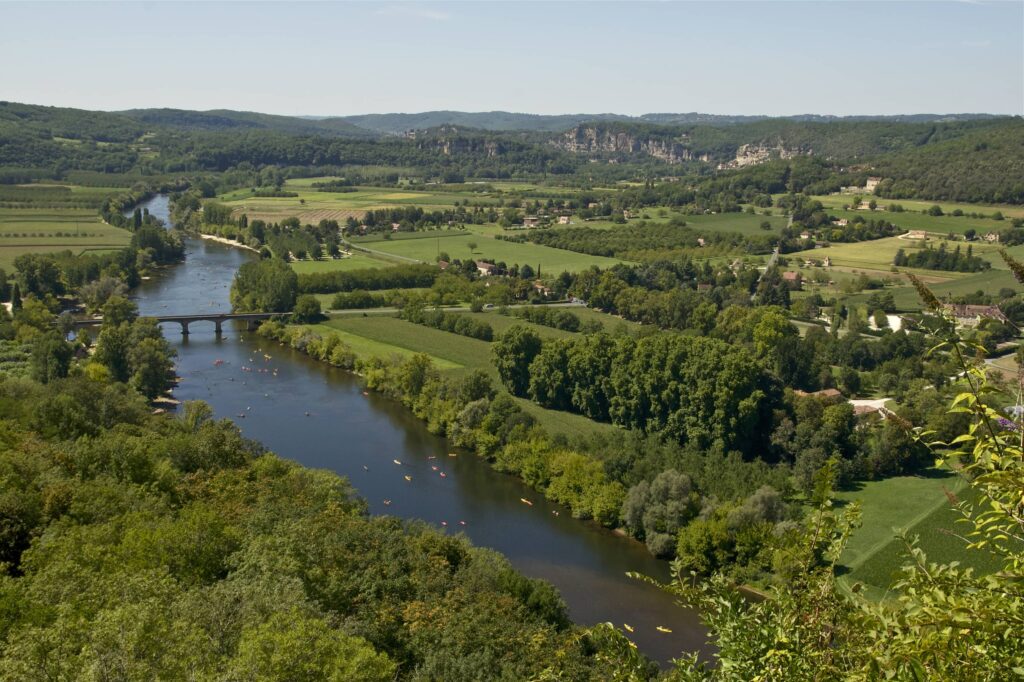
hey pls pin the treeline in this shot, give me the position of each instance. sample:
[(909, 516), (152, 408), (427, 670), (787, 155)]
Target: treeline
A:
[(456, 323), (641, 240), (691, 389), (942, 259), (370, 279), (130, 539), (558, 318)]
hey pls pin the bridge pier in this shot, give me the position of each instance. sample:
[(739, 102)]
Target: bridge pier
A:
[(217, 326), (184, 328)]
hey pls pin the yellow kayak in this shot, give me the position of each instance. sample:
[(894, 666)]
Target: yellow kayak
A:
[(525, 501), (629, 628), (408, 478), (662, 629)]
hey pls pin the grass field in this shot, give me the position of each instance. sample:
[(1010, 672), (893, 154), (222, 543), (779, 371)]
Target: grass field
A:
[(550, 260), (935, 224), (357, 261), (52, 230), (312, 206), (1008, 210), (917, 504)]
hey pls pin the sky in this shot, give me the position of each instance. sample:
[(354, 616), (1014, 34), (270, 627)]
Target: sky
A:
[(304, 58)]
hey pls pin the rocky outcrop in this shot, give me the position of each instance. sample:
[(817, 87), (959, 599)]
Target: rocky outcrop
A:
[(596, 140), (754, 154)]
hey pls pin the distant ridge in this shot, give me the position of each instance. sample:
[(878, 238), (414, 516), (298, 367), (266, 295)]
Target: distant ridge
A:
[(395, 123)]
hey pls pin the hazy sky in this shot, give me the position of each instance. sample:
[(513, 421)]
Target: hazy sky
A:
[(349, 58)]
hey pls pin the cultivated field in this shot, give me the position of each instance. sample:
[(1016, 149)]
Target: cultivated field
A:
[(311, 206), (356, 261), (426, 248), (839, 200), (920, 506), (51, 230)]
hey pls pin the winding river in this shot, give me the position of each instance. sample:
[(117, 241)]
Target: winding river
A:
[(319, 416)]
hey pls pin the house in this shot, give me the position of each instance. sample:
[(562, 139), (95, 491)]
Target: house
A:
[(827, 262), (395, 227), (992, 237), (443, 264), (971, 315), (593, 204), (531, 221), (700, 241), (805, 235), (484, 268), (872, 183), (830, 395), (917, 234), (539, 287), (841, 222), (794, 279), (563, 220)]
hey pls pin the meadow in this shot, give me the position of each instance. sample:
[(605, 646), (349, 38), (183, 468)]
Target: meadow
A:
[(839, 200), (311, 205), (912, 220), (49, 230), (549, 260), (356, 261), (916, 504)]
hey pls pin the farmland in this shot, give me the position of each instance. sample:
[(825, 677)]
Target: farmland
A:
[(40, 230), (427, 247), (918, 505)]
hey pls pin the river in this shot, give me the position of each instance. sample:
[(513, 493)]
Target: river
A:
[(318, 416)]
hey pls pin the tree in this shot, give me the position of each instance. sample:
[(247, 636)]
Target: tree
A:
[(264, 286), (118, 310), (301, 648), (51, 358), (38, 275), (512, 354), (151, 366), (307, 309), (471, 246), (16, 302)]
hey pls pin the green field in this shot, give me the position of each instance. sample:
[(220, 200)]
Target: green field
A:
[(357, 261), (839, 200), (917, 504), (311, 206), (551, 261), (874, 258), (51, 230), (934, 224)]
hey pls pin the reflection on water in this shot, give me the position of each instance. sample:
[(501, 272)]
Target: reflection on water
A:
[(318, 416)]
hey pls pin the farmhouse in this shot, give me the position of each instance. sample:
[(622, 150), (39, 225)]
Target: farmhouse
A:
[(841, 222), (563, 220), (539, 287), (484, 268), (794, 279), (871, 183), (830, 395), (971, 315), (805, 235), (992, 237), (443, 264), (827, 262), (917, 234), (531, 221)]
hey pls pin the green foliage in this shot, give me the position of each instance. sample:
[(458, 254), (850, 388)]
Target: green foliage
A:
[(264, 286), (512, 353), (151, 546), (307, 309)]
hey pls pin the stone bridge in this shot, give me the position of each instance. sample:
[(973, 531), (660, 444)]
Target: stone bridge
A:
[(251, 320)]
